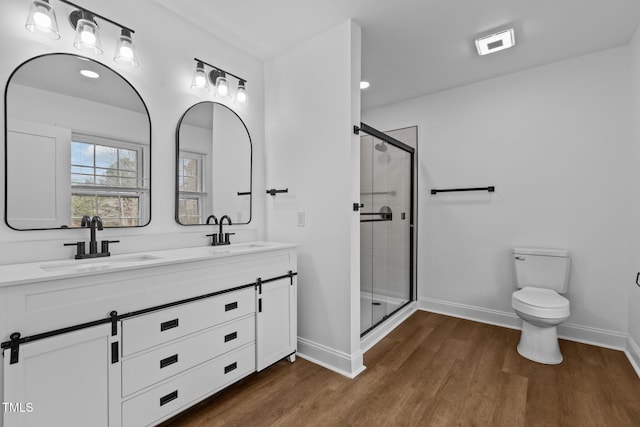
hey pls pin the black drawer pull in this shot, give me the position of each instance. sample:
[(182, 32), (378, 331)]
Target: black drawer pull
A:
[(168, 398), (230, 368), (169, 324), (231, 306), (168, 361), (230, 337)]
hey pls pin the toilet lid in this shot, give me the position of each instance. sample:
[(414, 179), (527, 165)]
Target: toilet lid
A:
[(542, 298)]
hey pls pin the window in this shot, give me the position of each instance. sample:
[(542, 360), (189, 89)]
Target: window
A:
[(106, 180), (191, 188)]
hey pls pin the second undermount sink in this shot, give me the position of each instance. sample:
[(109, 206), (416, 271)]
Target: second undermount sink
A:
[(97, 264), (236, 248)]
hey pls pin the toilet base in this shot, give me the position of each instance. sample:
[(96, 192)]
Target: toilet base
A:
[(540, 344)]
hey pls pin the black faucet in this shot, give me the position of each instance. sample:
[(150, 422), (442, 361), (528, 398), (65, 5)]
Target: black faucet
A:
[(96, 222), (92, 223), (224, 241), (214, 236)]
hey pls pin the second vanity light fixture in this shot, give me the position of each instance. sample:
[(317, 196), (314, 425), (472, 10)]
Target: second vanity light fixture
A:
[(218, 78), (42, 21)]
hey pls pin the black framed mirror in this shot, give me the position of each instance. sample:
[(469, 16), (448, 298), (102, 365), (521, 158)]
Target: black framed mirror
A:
[(77, 142), (214, 156)]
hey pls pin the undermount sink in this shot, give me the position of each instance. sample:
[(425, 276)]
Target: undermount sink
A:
[(235, 248), (86, 265)]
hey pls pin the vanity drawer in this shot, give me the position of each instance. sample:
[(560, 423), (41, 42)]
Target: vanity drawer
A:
[(148, 368), (167, 399), (148, 330)]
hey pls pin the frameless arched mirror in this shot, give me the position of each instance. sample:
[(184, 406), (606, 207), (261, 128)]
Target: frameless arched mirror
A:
[(77, 142), (213, 151)]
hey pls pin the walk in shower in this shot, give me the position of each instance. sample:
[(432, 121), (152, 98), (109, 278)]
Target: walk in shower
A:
[(386, 226)]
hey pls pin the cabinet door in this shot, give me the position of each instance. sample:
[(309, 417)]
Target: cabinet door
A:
[(276, 332), (62, 380)]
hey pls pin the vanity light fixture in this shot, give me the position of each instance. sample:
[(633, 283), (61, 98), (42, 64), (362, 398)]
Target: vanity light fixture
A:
[(496, 42), (42, 20), (218, 77)]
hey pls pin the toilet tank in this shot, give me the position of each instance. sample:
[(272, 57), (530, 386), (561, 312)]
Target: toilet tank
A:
[(542, 268)]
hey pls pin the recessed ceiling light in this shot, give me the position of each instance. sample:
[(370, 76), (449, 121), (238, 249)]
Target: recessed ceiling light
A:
[(364, 85), (90, 74), (496, 42)]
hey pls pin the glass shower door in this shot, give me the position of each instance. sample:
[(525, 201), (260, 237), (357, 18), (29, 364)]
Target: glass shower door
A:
[(385, 230)]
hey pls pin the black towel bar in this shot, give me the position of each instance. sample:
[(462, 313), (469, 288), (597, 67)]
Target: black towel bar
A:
[(449, 190), (273, 191)]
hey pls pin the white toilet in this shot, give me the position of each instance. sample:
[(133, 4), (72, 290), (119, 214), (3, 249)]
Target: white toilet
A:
[(542, 275)]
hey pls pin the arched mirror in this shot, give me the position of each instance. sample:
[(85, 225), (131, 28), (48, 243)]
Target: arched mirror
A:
[(213, 151), (77, 142)]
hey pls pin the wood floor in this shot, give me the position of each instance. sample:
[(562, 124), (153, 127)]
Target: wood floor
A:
[(435, 370)]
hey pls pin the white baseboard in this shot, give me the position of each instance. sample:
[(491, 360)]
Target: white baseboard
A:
[(381, 331), (337, 361), (633, 354), (469, 312), (568, 331)]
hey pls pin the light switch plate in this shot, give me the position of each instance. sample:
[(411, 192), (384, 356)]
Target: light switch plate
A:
[(301, 218)]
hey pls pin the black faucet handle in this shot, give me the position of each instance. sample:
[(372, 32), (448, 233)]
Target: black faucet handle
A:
[(214, 239), (105, 245), (80, 248), (226, 237)]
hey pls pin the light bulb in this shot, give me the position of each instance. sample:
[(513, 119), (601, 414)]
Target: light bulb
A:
[(88, 37), (43, 21), (222, 87)]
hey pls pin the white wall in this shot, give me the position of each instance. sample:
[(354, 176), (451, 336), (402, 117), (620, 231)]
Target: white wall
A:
[(166, 45), (312, 104), (555, 141), (634, 290)]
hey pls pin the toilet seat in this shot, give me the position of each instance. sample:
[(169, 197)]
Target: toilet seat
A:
[(541, 303)]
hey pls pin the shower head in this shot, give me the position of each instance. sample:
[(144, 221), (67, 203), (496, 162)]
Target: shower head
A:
[(381, 146)]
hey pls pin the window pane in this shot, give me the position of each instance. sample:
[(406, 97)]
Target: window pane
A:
[(81, 153), (128, 160), (108, 207), (106, 157), (80, 206), (130, 207), (189, 184), (82, 179), (190, 167)]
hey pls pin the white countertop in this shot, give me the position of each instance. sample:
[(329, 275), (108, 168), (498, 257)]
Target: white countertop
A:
[(15, 274)]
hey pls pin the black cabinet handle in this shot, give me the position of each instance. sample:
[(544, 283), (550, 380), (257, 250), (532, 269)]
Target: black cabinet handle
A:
[(231, 306), (230, 337), (169, 324), (168, 398), (259, 305), (168, 361), (230, 368)]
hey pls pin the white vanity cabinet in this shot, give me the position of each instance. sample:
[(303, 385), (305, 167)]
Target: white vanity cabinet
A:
[(276, 329), (164, 336), (67, 377)]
